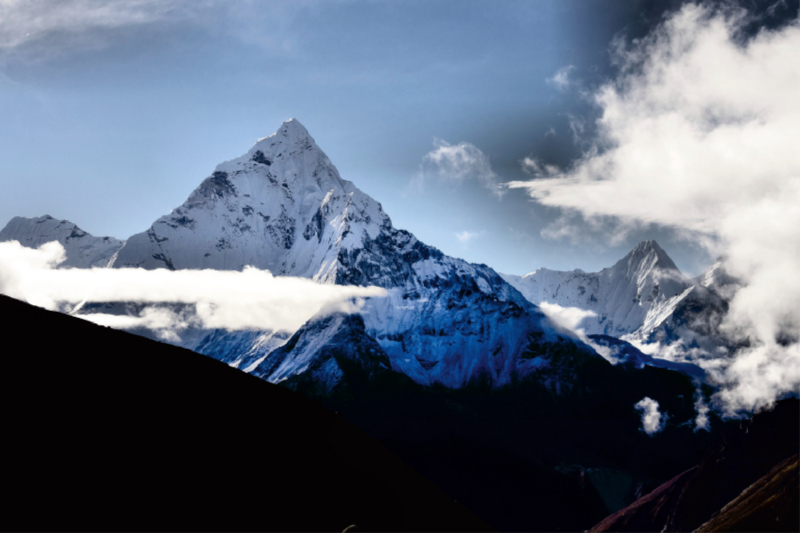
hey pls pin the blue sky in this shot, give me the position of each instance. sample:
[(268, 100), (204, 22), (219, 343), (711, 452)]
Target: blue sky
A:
[(112, 113)]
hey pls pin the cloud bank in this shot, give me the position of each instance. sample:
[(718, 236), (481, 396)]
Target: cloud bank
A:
[(699, 133), (251, 299)]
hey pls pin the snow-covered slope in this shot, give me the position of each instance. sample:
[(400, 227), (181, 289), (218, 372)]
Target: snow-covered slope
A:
[(627, 354), (623, 297), (83, 250), (325, 354)]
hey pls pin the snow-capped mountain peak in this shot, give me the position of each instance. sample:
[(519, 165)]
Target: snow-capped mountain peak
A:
[(291, 143), (620, 296), (281, 206), (646, 257), (83, 249)]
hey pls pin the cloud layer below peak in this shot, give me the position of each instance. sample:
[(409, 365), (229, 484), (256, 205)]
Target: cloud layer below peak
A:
[(251, 299)]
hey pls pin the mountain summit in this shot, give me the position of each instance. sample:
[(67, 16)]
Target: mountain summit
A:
[(282, 206)]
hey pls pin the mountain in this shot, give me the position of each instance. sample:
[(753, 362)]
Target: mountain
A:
[(643, 299), (112, 431), (282, 206), (622, 297), (424, 369), (83, 250), (322, 353)]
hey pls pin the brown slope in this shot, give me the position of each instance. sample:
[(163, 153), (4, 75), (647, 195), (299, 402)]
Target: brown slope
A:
[(770, 504), (650, 512), (104, 430)]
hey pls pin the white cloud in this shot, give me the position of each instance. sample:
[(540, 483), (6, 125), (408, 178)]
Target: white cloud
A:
[(566, 317), (251, 299), (47, 28), (701, 421), (699, 133), (652, 420), (561, 78), (570, 318), (461, 162), (533, 166)]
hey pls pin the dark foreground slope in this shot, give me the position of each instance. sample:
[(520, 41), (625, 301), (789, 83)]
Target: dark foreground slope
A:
[(107, 430)]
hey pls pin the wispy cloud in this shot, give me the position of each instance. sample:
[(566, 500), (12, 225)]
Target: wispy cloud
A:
[(577, 126), (537, 169), (26, 22), (461, 162), (685, 142), (47, 28), (251, 299), (466, 236), (561, 79), (701, 421)]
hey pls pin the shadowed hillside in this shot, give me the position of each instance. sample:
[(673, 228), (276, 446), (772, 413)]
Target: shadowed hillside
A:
[(748, 481), (104, 430)]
